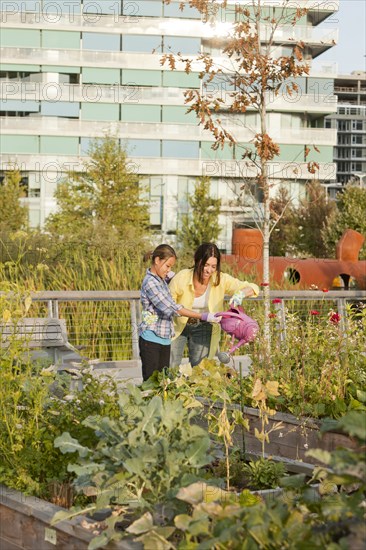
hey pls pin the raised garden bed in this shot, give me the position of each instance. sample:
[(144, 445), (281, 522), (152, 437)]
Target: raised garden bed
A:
[(25, 524), (291, 441)]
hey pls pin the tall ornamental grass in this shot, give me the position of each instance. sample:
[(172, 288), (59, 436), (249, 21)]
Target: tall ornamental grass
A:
[(102, 328)]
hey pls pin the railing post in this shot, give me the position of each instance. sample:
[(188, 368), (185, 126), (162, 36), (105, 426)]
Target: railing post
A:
[(280, 311), (55, 309), (342, 312), (134, 329), (50, 308)]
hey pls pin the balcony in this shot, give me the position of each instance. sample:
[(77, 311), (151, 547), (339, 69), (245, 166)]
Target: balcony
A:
[(39, 91), (80, 58), (89, 22), (58, 165), (54, 126)]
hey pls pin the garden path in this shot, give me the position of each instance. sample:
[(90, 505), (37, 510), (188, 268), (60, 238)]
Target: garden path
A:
[(131, 373)]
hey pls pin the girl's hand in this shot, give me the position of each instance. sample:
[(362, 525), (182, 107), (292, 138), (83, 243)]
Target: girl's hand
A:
[(210, 317)]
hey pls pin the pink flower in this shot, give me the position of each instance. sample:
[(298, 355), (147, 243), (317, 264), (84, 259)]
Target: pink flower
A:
[(334, 317), (314, 312), (276, 301), (272, 315)]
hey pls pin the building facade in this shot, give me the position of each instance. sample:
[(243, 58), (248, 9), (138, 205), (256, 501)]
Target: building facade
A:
[(350, 123), (74, 70)]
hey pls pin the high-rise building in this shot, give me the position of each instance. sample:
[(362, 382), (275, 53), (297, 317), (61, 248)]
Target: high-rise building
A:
[(73, 70), (350, 123)]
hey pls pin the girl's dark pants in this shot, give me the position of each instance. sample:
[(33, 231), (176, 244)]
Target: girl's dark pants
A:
[(153, 357)]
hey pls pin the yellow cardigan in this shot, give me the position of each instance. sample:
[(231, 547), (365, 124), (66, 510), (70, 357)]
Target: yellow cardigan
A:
[(182, 290)]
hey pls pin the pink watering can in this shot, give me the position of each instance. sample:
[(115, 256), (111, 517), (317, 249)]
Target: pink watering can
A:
[(240, 326)]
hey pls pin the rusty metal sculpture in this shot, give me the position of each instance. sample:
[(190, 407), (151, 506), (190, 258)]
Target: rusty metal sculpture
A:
[(343, 272)]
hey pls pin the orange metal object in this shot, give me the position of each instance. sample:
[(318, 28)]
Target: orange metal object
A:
[(341, 272)]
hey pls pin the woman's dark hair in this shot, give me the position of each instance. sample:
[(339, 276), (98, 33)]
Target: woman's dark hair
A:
[(202, 254), (163, 252)]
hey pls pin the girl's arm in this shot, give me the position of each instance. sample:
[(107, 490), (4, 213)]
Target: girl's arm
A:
[(167, 307), (205, 316)]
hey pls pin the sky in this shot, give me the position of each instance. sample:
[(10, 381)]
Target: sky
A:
[(350, 52)]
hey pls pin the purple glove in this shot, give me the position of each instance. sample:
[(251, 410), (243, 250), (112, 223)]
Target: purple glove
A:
[(210, 317)]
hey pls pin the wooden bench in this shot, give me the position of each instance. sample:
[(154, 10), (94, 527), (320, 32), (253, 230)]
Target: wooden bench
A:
[(46, 337)]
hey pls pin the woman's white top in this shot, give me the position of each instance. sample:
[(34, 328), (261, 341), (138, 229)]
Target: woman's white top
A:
[(200, 303)]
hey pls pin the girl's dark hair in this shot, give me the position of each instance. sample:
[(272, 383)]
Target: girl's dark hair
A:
[(163, 252), (202, 254)]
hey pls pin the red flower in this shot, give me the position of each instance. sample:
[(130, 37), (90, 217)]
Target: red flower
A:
[(264, 284), (314, 312), (272, 315), (276, 301), (325, 289), (334, 318)]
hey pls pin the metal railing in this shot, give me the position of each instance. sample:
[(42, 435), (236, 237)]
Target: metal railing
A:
[(106, 322)]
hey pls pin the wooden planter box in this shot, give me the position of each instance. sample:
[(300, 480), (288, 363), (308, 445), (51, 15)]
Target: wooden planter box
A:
[(25, 524), (291, 441)]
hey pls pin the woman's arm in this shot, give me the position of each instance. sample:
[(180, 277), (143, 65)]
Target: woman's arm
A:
[(233, 285), (205, 316), (248, 292)]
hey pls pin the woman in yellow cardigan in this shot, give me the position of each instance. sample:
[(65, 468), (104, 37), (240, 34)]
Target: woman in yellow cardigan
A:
[(202, 288)]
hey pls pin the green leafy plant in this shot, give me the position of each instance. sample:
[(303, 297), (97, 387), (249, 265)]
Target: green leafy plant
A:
[(141, 458), (302, 517), (264, 473), (208, 387), (36, 406), (319, 366)]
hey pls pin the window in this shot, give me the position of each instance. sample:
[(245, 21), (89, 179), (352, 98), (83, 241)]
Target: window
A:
[(100, 41), (142, 8), (143, 148), (140, 43), (99, 111), (357, 139), (15, 105), (60, 39), (99, 7), (343, 125), (180, 149), (185, 45), (19, 144), (141, 113), (63, 145), (342, 153), (55, 6), (357, 125), (172, 10), (60, 108), (343, 139), (100, 76)]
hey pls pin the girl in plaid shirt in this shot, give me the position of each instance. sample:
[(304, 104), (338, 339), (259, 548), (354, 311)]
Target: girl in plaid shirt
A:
[(158, 310)]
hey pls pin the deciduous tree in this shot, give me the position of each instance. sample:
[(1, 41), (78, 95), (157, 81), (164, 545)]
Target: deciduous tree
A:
[(249, 62), (350, 214), (201, 223), (13, 215), (106, 198), (313, 214), (284, 234)]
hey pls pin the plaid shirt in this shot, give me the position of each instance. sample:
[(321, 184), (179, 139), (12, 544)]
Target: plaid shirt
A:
[(157, 301)]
